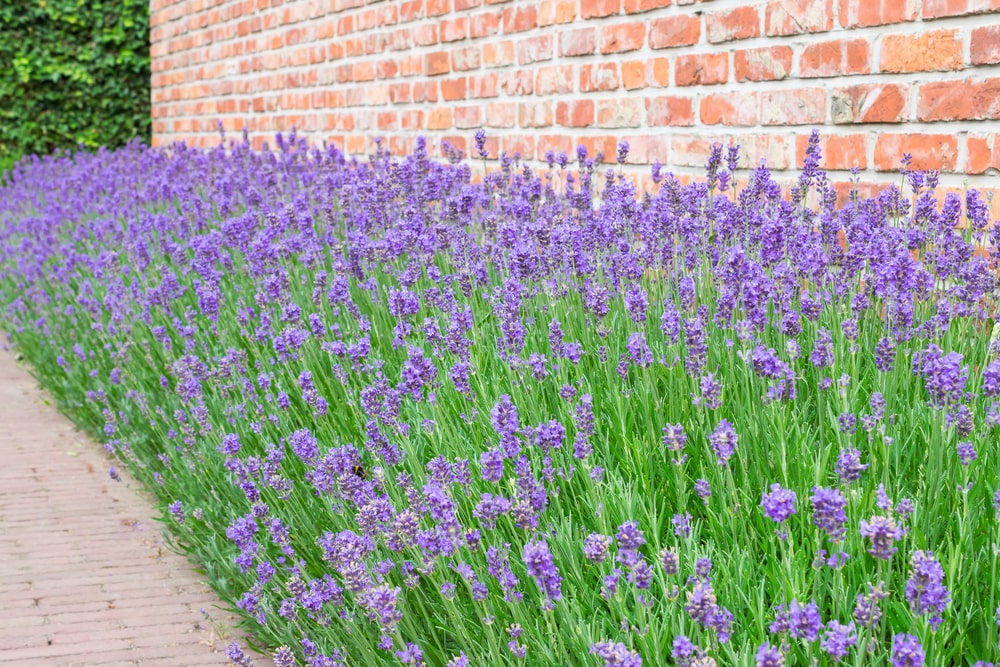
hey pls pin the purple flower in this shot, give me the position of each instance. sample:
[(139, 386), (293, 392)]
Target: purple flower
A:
[(966, 452), (924, 589), (867, 611), (769, 656), (906, 651), (703, 490), (883, 533), (539, 563), (723, 441), (822, 353), (849, 466), (779, 504), (828, 512), (804, 620), (944, 376), (669, 561), (595, 547), (885, 354), (616, 655), (837, 639), (682, 525)]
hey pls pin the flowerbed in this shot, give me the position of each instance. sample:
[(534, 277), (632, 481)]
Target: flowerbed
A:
[(401, 417)]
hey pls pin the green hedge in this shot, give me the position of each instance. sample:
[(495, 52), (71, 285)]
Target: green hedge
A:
[(72, 72)]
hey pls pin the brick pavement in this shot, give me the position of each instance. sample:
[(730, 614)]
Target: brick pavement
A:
[(85, 577)]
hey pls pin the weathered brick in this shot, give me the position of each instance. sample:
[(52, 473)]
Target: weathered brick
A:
[(575, 113), (436, 63), (870, 103), (534, 49), (674, 31), (985, 45), (838, 57), (519, 18), (669, 110), (933, 9), (704, 69), (643, 73), (602, 76), (804, 106), (763, 64), (921, 52), (793, 17), (726, 26), (554, 12), (929, 151), (839, 152), (534, 114), (863, 13), (554, 80), (579, 42), (638, 6), (453, 89), (959, 100), (501, 114), (619, 113), (730, 109), (983, 154), (592, 9), (622, 37)]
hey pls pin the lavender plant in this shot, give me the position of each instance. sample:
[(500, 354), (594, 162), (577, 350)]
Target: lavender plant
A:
[(405, 415)]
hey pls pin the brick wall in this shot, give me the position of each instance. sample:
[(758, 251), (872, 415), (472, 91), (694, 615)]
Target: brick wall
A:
[(879, 77)]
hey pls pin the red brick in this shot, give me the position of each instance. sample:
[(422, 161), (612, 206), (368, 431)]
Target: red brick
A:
[(729, 109), (763, 64), (669, 110), (501, 114), (534, 114), (804, 106), (839, 152), (793, 17), (618, 113), (601, 148), (425, 91), (519, 19), (534, 49), (726, 26), (462, 5), (638, 6), (387, 120), (554, 12), (870, 103), (399, 93), (706, 69), (519, 145), (985, 46), (498, 54), (835, 58), (862, 13), (556, 143), (592, 9), (602, 76), (439, 118), (929, 151), (977, 99), (933, 9), (483, 86), (983, 154), (453, 89), (453, 30), (466, 58), (643, 73), (484, 25), (622, 37), (519, 82), (436, 63), (437, 7), (575, 113), (923, 52), (555, 80), (674, 31), (579, 42)]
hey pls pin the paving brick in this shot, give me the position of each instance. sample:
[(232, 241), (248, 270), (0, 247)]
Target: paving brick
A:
[(85, 578)]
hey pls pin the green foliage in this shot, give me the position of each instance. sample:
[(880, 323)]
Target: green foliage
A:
[(72, 72)]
